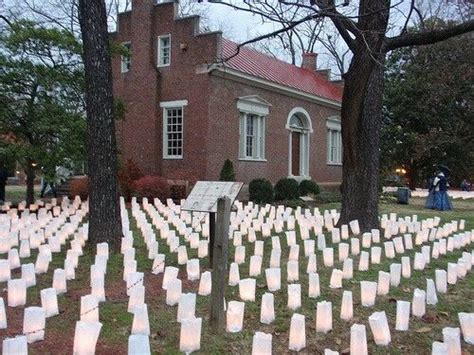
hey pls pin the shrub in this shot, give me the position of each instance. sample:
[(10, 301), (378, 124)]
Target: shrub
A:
[(127, 175), (287, 189), (151, 186), (227, 172), (308, 187), (261, 191), (79, 187)]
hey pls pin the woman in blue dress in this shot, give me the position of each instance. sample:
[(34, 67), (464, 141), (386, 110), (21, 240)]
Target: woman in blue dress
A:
[(430, 199), (440, 186)]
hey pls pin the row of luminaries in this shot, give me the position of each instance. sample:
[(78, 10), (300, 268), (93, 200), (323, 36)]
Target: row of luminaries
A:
[(54, 225), (247, 286), (129, 255)]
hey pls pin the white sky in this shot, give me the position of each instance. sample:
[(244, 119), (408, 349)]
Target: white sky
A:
[(237, 25), (241, 26)]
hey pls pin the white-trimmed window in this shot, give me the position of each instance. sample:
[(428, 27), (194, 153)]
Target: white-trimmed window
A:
[(300, 127), (173, 129), (252, 115), (334, 141), (164, 50), (252, 136), (125, 60)]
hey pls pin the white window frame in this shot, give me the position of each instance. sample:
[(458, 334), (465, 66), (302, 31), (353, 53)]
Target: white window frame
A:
[(124, 66), (159, 59), (258, 141), (167, 105), (334, 141), (252, 106)]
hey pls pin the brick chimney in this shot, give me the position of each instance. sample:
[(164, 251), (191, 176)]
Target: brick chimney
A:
[(309, 61)]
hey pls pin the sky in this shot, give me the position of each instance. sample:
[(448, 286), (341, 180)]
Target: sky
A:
[(240, 26)]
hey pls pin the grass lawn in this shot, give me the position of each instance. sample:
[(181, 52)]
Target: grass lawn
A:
[(17, 193), (165, 331)]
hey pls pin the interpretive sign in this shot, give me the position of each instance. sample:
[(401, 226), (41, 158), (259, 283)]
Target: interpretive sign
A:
[(203, 197)]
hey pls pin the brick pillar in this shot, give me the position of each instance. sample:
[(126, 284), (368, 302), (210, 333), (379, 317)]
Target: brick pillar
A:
[(309, 61)]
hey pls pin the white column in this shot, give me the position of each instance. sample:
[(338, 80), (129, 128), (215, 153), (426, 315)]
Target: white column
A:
[(289, 154)]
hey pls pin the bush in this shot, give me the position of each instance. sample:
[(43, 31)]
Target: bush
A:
[(261, 191), (308, 187), (227, 172), (151, 186), (287, 189), (127, 175), (79, 187)]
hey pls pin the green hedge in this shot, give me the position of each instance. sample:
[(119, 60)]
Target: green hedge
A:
[(260, 191), (287, 189), (309, 187)]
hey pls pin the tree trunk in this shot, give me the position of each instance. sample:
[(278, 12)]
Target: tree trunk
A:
[(361, 120), (104, 207), (30, 183), (411, 175), (361, 117)]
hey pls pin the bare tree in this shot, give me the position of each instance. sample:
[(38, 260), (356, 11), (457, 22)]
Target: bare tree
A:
[(365, 28)]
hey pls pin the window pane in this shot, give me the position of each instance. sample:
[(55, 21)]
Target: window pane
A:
[(173, 134), (165, 50)]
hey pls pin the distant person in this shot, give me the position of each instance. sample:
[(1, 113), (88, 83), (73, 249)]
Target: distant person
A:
[(430, 199), (49, 180), (3, 182), (465, 185), (440, 184)]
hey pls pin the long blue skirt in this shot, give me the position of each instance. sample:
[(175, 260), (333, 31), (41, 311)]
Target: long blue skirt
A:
[(442, 201), (430, 202)]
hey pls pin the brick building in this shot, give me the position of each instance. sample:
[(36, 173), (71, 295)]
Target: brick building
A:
[(187, 108)]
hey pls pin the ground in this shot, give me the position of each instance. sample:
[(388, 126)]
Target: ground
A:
[(17, 193), (165, 330)]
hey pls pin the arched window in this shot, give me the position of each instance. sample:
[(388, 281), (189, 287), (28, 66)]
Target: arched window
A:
[(299, 127)]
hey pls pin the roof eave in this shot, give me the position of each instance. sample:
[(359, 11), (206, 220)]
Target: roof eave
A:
[(221, 70)]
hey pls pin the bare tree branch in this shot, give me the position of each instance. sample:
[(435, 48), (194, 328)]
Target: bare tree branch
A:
[(405, 26), (6, 20), (427, 37), (272, 34)]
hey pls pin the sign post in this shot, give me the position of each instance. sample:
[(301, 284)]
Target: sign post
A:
[(212, 236), (203, 198), (219, 265), (215, 197)]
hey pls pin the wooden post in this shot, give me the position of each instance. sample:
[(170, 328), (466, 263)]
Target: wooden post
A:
[(212, 236), (219, 265)]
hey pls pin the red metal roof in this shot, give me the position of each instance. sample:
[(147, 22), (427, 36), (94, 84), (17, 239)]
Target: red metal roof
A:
[(252, 62)]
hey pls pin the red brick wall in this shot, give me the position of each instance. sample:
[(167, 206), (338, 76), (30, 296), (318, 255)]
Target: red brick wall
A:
[(211, 131), (146, 85), (225, 144)]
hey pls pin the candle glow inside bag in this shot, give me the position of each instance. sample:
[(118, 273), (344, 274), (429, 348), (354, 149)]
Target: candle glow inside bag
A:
[(262, 344), (190, 336), (85, 337), (267, 309), (297, 339)]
